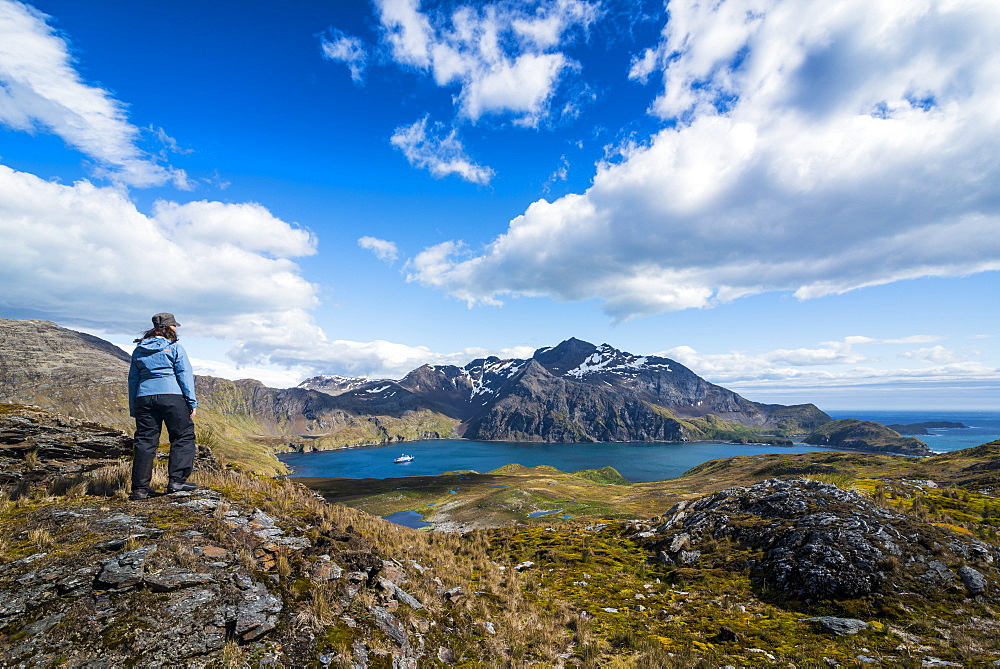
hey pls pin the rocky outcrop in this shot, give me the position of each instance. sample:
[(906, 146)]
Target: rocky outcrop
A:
[(838, 626), (180, 595), (39, 448), (813, 541), (171, 580), (27, 429), (864, 435), (63, 370)]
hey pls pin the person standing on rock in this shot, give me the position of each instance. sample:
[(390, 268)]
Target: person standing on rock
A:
[(161, 390)]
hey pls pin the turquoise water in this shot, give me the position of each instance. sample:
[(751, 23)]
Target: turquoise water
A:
[(410, 519), (634, 460)]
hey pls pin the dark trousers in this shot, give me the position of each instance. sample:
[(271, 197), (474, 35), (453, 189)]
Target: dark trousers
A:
[(151, 412)]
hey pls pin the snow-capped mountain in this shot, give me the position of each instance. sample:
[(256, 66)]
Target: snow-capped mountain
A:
[(572, 392), (334, 384), (576, 392)]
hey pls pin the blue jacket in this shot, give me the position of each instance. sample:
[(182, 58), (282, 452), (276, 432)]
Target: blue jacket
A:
[(160, 367)]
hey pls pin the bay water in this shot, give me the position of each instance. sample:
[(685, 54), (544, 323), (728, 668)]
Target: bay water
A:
[(636, 461)]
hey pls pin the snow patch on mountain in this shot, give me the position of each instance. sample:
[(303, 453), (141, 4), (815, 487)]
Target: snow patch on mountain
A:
[(484, 377), (334, 384), (608, 359)]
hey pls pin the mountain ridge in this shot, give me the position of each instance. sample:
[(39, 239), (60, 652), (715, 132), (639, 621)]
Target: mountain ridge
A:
[(572, 392), (577, 391)]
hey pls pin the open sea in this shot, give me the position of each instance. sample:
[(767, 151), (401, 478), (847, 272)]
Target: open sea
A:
[(635, 461)]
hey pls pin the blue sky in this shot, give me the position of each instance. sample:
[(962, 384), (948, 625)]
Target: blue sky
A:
[(799, 201)]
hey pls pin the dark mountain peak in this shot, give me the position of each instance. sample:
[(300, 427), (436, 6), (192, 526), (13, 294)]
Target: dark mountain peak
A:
[(334, 384), (480, 364), (585, 362), (533, 368), (564, 357), (430, 374)]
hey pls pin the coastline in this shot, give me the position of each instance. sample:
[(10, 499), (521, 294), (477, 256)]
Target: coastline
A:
[(983, 428), (553, 453)]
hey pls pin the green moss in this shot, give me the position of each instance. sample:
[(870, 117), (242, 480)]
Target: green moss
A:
[(604, 475), (637, 604), (337, 638), (515, 468)]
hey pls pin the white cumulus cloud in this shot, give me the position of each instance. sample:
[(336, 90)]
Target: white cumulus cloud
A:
[(343, 48), (86, 254), (384, 250), (503, 57), (41, 90), (810, 147), (372, 359), (439, 151), (834, 364), (938, 355), (248, 226)]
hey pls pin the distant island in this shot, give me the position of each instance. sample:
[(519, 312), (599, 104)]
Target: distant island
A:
[(921, 428), (865, 435)]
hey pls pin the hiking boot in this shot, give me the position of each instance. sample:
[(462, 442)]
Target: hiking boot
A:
[(140, 493), (181, 487)]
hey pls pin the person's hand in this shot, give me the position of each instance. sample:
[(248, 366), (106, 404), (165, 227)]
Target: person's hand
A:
[(193, 412)]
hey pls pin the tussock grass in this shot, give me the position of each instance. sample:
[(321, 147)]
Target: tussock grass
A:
[(533, 618), (184, 555), (320, 611), (31, 458), (111, 481), (41, 538), (233, 656), (524, 629), (245, 557), (843, 480)]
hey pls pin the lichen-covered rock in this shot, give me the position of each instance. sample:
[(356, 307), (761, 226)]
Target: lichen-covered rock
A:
[(256, 613), (174, 578), (391, 625), (125, 570), (325, 570), (398, 593), (838, 626), (58, 437), (815, 541), (176, 597), (974, 581), (937, 573)]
